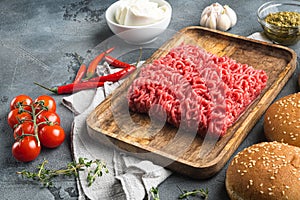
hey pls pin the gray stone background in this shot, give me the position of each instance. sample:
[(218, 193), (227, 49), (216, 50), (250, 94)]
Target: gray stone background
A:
[(37, 41)]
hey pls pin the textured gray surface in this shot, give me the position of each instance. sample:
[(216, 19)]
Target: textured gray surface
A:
[(36, 40)]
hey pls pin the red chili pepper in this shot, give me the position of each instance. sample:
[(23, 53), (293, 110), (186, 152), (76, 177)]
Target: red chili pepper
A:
[(72, 88), (115, 62), (80, 74), (115, 76), (93, 64)]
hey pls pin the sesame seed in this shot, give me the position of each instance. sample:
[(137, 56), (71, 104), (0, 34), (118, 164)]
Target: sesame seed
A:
[(272, 177), (261, 192)]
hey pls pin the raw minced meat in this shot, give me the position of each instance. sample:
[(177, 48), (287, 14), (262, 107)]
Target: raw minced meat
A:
[(197, 90)]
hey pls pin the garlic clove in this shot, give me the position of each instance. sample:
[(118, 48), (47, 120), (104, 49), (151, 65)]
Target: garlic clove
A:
[(206, 11), (231, 14), (218, 8), (211, 21), (203, 20), (223, 22)]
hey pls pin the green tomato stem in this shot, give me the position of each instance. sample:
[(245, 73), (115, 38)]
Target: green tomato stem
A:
[(35, 125)]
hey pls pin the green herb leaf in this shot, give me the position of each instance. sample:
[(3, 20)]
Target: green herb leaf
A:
[(154, 193)]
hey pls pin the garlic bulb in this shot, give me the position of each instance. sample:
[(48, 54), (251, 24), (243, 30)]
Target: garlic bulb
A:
[(218, 17)]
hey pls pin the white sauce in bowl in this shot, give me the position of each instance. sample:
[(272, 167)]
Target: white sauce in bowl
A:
[(139, 12)]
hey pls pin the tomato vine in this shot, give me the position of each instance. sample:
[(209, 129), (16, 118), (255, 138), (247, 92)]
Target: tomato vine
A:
[(39, 115)]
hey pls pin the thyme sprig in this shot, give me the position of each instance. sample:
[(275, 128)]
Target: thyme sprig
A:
[(95, 168), (154, 193), (203, 193)]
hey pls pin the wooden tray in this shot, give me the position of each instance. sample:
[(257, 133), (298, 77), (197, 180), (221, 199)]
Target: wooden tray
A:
[(112, 124)]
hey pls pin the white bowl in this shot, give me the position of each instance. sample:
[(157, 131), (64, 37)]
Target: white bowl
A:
[(138, 34)]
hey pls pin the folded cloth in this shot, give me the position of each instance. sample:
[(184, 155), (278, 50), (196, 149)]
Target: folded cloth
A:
[(259, 36), (128, 177)]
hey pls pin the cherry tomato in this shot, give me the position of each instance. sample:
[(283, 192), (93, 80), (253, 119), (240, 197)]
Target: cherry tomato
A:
[(47, 116), (23, 100), (14, 117), (26, 149), (51, 136), (26, 127), (47, 101)]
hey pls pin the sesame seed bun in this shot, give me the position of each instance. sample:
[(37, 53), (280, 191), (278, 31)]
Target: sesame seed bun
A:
[(282, 120), (265, 171)]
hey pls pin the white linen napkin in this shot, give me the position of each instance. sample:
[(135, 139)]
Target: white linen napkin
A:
[(259, 36), (128, 177)]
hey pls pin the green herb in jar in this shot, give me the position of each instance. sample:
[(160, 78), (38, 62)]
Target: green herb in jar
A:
[(284, 19)]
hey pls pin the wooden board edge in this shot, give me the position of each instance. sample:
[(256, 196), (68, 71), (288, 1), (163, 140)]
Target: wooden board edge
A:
[(245, 38)]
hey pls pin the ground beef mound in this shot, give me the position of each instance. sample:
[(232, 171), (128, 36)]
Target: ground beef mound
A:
[(196, 90)]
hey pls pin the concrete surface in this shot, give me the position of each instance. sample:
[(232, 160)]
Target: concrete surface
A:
[(37, 41)]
